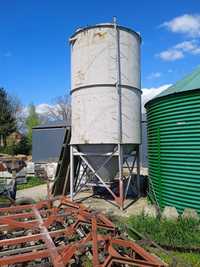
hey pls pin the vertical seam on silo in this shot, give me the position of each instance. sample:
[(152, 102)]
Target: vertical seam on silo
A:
[(159, 171)]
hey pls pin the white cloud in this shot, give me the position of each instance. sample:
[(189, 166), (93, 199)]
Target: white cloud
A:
[(149, 93), (189, 46), (186, 24), (154, 75), (178, 51), (196, 51), (171, 55), (185, 46), (43, 108)]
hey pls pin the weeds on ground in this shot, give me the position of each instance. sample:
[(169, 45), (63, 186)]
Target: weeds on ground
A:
[(181, 233), (31, 182), (191, 258)]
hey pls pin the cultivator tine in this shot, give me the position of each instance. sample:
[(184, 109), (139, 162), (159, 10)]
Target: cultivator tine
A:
[(59, 232)]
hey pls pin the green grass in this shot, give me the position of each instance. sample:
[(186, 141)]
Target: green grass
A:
[(181, 233), (188, 258), (31, 182), (4, 200)]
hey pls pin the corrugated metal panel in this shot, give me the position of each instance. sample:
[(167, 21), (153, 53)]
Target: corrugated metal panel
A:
[(47, 143), (174, 149)]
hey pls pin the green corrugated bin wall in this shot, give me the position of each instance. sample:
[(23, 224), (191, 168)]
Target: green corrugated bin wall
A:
[(174, 146)]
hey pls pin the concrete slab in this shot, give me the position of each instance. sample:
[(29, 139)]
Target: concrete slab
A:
[(105, 206)]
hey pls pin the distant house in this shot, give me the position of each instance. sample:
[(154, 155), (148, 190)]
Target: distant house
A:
[(14, 138)]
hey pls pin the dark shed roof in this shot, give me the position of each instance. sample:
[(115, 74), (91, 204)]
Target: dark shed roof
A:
[(52, 124)]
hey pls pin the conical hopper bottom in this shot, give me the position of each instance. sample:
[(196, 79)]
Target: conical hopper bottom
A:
[(109, 171)]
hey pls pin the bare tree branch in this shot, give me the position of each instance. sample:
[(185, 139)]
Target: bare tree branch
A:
[(17, 111), (61, 109)]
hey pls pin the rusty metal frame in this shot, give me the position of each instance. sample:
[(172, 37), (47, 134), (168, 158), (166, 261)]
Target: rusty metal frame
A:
[(28, 233)]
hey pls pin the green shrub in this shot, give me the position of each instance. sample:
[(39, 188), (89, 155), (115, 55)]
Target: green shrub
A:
[(23, 147)]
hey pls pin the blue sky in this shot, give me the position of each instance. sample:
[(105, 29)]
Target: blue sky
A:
[(35, 54)]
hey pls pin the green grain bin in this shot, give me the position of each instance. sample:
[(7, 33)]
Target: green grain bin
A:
[(174, 144)]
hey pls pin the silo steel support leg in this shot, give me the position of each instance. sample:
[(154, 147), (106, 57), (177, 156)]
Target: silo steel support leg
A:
[(121, 182), (138, 170), (71, 173)]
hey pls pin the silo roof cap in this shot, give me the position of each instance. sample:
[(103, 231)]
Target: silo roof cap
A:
[(108, 25), (188, 83)]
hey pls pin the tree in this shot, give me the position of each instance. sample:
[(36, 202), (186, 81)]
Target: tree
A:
[(23, 147), (31, 121), (18, 113), (60, 110), (8, 122)]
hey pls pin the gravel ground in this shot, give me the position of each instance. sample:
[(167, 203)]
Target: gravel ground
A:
[(37, 193)]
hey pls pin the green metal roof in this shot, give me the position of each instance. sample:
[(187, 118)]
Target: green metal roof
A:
[(190, 82)]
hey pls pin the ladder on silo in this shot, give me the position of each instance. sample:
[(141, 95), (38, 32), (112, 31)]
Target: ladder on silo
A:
[(61, 184)]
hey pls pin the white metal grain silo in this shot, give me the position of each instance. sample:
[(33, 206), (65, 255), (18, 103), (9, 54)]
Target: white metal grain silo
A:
[(106, 98)]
